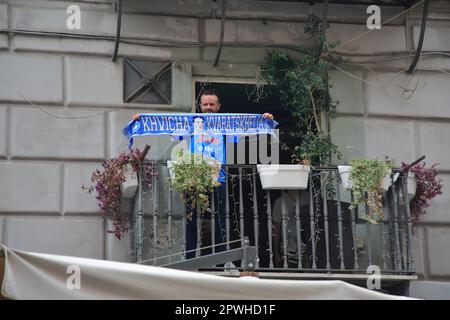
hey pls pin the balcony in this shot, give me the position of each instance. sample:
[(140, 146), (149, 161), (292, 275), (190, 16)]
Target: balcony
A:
[(303, 234)]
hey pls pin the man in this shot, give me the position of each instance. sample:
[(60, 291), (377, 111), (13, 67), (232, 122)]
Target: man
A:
[(210, 103), (210, 145)]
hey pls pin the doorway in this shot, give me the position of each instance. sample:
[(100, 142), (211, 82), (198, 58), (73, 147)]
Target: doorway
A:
[(244, 98)]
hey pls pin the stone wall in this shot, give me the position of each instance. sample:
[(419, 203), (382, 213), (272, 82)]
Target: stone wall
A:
[(62, 110)]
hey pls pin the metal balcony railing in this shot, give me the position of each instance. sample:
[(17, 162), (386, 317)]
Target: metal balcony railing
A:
[(314, 230)]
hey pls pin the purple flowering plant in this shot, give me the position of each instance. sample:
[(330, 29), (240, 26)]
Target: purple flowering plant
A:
[(428, 187), (107, 185)]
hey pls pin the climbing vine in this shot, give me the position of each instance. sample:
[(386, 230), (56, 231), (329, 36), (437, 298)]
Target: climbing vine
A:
[(302, 83)]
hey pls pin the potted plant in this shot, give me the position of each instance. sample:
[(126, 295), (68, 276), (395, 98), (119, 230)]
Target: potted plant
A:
[(302, 84), (194, 176), (118, 178), (428, 187), (367, 180), (345, 171)]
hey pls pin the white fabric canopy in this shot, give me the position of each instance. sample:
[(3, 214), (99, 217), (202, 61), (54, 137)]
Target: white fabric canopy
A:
[(28, 275)]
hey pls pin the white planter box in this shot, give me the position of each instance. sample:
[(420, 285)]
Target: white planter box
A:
[(412, 184), (344, 172), (171, 172), (284, 176), (386, 181), (129, 186)]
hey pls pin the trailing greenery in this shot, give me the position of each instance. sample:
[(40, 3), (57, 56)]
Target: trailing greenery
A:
[(194, 177), (303, 86), (365, 178)]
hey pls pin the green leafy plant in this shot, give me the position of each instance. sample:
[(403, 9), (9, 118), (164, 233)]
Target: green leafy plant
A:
[(194, 177), (365, 178), (303, 86), (107, 185)]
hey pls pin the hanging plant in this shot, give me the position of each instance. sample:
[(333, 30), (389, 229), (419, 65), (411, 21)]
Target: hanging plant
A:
[(428, 187), (107, 185), (194, 176), (365, 178)]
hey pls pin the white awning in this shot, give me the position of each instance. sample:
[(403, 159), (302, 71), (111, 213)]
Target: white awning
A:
[(28, 275)]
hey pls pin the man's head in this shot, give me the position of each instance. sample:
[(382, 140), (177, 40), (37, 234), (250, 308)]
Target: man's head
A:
[(209, 101)]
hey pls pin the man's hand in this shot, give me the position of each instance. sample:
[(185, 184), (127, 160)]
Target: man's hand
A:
[(267, 115), (136, 116)]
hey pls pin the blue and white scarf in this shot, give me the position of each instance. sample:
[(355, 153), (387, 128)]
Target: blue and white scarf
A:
[(184, 124)]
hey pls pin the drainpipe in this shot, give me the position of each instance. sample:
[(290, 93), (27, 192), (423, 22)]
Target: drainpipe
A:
[(119, 25), (222, 32), (422, 35)]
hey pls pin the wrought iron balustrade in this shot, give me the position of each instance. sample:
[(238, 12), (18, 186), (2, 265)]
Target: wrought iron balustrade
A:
[(313, 230)]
